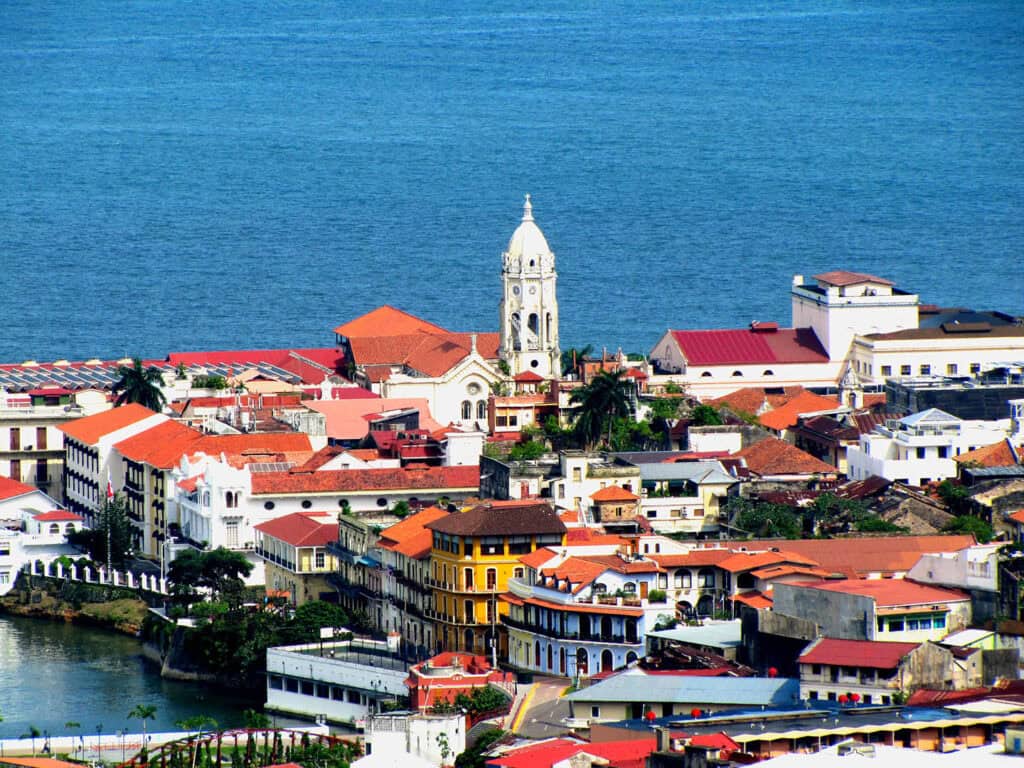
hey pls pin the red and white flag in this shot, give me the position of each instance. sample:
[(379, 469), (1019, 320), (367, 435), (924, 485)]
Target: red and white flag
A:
[(110, 490)]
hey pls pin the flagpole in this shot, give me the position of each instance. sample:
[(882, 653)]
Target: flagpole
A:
[(110, 496)]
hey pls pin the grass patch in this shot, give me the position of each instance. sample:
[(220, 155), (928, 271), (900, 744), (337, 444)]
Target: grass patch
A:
[(116, 611)]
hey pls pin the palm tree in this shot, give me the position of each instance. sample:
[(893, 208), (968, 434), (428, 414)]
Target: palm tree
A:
[(32, 733), (144, 712), (139, 385), (601, 402)]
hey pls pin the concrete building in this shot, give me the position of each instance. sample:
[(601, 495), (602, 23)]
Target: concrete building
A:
[(686, 496), (296, 557), (33, 528), (980, 396), (412, 740), (920, 448), (343, 682)]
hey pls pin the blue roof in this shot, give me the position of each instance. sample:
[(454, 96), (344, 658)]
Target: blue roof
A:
[(722, 634), (634, 686)]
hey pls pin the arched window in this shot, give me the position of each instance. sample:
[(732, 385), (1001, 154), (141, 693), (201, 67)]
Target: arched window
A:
[(547, 327), (737, 373), (54, 528), (768, 372), (206, 498), (467, 410), (492, 578), (534, 323), (481, 409), (69, 528), (706, 375)]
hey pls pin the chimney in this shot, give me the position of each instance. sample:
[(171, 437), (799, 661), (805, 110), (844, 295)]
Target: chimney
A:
[(472, 343)]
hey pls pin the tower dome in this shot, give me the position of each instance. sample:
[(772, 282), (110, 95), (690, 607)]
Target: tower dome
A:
[(528, 242)]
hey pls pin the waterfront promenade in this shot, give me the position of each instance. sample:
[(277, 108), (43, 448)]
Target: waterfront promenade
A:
[(117, 747)]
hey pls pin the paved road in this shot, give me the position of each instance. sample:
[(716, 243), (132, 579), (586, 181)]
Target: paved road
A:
[(544, 717)]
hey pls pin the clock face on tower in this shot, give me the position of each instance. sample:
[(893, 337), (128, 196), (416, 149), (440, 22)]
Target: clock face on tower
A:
[(515, 290), (533, 289)]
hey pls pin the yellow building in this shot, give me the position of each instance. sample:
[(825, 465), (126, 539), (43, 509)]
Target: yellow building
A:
[(296, 557), (474, 554)]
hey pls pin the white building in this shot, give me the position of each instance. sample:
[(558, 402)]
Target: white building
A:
[(408, 739), (920, 448)]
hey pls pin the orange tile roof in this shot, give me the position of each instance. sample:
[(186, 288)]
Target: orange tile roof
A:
[(890, 592), (161, 446), (590, 536), (695, 558), (862, 555), (745, 561), (411, 537), (612, 610), (90, 429), (778, 571), (614, 493), (569, 517), (9, 488), (339, 480), (1001, 454), (751, 399), (579, 571), (431, 354), (302, 529), (538, 557), (56, 515), (386, 321), (786, 416), (252, 443), (772, 456), (1018, 516), (616, 563), (754, 599)]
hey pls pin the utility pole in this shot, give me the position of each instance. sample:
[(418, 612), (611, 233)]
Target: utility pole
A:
[(494, 618)]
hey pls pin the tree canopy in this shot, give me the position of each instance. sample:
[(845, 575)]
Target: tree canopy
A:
[(113, 518), (600, 403), (222, 571), (139, 385)]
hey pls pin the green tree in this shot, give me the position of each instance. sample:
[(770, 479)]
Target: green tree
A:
[(572, 357), (255, 720), (143, 712), (310, 618), (953, 496), (401, 509), (224, 572), (113, 519), (763, 519), (970, 524), (32, 733), (531, 449), (139, 385), (874, 524), (600, 402), (474, 757), (705, 416)]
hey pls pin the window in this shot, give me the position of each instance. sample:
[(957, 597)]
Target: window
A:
[(231, 533), (651, 513), (706, 375), (595, 711), (492, 578), (706, 578), (663, 580), (943, 451), (519, 545), (268, 505), (904, 370), (831, 695), (306, 504), (467, 410), (54, 528), (41, 438), (382, 502), (683, 580), (867, 698), (737, 373), (353, 697), (926, 370), (812, 695), (887, 370), (323, 691), (320, 559), (769, 372), (939, 622), (518, 573), (15, 439), (951, 369), (276, 682), (307, 687), (975, 367), (895, 625), (629, 587), (291, 685), (481, 409), (577, 474), (42, 471), (920, 452), (816, 669)]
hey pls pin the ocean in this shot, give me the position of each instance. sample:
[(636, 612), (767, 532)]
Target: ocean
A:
[(187, 176)]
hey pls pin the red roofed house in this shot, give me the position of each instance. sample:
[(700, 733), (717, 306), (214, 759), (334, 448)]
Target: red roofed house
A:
[(32, 527), (441, 679), (775, 460), (892, 610), (876, 672), (556, 753), (613, 504), (90, 460), (297, 559), (828, 313)]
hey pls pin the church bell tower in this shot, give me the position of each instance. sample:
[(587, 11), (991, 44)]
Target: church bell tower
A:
[(529, 306)]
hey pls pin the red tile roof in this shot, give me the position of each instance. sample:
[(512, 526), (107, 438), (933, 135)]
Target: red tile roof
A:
[(787, 415), (752, 399), (890, 592), (863, 555), (746, 346), (538, 557), (411, 537), (696, 558), (346, 419), (527, 377), (614, 493), (856, 653), (753, 598), (386, 321), (841, 277), (591, 536), (10, 488), (772, 456), (579, 571), (161, 446), (1001, 454), (747, 561), (90, 429), (616, 563), (338, 480), (1018, 516), (302, 529), (57, 515)]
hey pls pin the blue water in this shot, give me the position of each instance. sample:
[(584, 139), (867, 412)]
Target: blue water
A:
[(233, 174)]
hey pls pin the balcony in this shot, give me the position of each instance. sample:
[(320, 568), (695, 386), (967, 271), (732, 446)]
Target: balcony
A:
[(557, 634)]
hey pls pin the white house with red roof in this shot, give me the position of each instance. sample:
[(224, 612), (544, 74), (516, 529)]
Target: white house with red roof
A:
[(296, 556), (33, 527), (583, 614)]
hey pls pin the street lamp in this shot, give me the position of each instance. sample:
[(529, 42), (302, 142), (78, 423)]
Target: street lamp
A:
[(99, 748)]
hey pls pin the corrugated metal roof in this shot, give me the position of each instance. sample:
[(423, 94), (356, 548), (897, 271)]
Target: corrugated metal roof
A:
[(635, 686)]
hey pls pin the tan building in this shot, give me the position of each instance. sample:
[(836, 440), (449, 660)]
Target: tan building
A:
[(297, 559)]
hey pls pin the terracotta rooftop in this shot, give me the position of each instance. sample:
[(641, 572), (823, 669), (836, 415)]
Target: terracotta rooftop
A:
[(386, 321), (538, 558), (616, 563), (411, 537), (161, 446), (487, 519), (1001, 454), (616, 754), (340, 480), (10, 488), (57, 515), (346, 419), (856, 653), (786, 416), (753, 598), (528, 377), (302, 529), (890, 592), (863, 555), (747, 561), (614, 493), (752, 399), (842, 277), (695, 558), (747, 346), (772, 456), (90, 429), (579, 571)]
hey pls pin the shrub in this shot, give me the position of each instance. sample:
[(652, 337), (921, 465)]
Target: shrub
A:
[(656, 596)]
